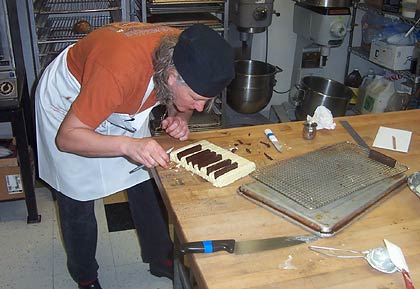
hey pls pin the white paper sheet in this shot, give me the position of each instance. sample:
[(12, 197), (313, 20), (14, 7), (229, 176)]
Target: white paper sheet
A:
[(385, 135)]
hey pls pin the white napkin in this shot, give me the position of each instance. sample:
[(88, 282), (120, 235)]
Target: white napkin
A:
[(4, 152), (387, 138), (323, 117)]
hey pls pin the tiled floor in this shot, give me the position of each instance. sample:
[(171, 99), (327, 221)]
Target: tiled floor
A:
[(32, 256)]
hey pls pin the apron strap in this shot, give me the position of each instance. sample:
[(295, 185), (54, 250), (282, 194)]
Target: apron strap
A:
[(124, 120), (149, 90)]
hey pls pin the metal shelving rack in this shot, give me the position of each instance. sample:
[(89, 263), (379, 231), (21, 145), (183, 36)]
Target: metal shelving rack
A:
[(412, 79), (53, 20), (181, 14), (363, 54)]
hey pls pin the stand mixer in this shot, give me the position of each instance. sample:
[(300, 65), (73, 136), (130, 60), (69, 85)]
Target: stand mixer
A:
[(318, 29), (320, 25), (250, 16)]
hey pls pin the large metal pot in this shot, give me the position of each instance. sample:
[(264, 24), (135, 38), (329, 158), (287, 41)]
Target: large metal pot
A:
[(252, 88), (314, 91)]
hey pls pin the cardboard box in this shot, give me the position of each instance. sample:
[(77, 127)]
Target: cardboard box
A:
[(11, 186), (395, 57)]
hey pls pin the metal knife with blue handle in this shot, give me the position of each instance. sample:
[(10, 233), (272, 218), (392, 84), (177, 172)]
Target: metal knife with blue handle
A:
[(244, 247)]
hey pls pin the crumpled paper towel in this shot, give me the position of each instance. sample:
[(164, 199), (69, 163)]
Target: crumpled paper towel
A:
[(323, 117), (5, 152)]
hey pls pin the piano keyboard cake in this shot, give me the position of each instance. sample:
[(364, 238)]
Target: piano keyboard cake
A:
[(215, 164)]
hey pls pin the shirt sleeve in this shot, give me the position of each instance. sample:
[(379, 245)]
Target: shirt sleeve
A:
[(100, 96)]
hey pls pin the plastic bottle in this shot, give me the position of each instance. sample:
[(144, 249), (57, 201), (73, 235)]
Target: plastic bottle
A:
[(377, 95), (353, 81), (367, 79)]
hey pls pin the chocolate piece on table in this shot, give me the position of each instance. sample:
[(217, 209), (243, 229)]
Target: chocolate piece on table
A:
[(201, 157), (226, 169), (188, 151), (210, 160), (219, 165), (192, 157)]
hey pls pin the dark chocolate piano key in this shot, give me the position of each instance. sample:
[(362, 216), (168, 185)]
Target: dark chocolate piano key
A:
[(214, 158), (226, 169), (202, 157), (217, 166), (188, 151), (192, 157)]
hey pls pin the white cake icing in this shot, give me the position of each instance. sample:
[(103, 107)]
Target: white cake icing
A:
[(244, 168)]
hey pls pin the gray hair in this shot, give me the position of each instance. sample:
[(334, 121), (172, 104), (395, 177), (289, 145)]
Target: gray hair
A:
[(163, 65)]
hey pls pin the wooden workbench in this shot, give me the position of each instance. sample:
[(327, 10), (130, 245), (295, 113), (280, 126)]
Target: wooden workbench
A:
[(200, 211)]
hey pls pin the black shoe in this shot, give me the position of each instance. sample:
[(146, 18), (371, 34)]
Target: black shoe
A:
[(94, 285), (163, 269)]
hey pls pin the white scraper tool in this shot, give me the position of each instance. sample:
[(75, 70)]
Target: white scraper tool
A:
[(397, 257)]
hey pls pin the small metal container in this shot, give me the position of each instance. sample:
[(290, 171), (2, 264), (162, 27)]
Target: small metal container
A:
[(413, 183), (309, 130)]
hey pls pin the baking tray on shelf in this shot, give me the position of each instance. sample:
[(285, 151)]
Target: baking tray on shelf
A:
[(189, 2), (184, 20), (49, 51), (60, 29), (324, 190), (53, 48), (73, 6), (165, 7)]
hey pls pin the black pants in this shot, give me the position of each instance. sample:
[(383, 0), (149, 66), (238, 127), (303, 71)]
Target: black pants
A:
[(80, 232)]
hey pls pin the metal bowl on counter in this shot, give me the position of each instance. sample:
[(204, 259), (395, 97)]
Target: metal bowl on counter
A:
[(413, 183), (252, 88), (314, 91)]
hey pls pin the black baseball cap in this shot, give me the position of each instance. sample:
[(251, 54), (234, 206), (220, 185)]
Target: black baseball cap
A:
[(204, 59)]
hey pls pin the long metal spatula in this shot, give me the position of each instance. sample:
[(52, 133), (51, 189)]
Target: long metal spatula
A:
[(373, 154)]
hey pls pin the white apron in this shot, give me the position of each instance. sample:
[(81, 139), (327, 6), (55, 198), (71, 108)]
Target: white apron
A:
[(77, 177)]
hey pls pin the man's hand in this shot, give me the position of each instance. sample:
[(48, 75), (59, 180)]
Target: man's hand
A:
[(146, 151), (176, 127)]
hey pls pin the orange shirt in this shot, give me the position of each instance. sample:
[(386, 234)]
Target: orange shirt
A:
[(113, 65)]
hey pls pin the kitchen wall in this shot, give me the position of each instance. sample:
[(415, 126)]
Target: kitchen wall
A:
[(281, 50)]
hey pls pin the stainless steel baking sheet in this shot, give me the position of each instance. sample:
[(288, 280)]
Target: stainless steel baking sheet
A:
[(326, 189), (330, 219), (322, 176)]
